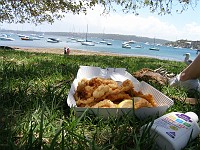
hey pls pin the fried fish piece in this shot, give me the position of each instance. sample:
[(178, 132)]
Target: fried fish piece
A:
[(106, 103), (126, 85), (81, 84), (95, 82), (118, 96), (148, 97), (84, 102), (140, 102), (100, 91)]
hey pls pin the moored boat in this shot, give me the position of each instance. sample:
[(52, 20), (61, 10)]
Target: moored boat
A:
[(21, 35), (5, 38), (27, 38), (103, 42), (138, 46), (41, 36), (154, 48), (79, 40), (131, 42), (109, 43), (126, 45), (35, 38), (87, 43), (53, 40)]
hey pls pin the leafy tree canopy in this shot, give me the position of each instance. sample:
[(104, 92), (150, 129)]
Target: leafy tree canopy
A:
[(38, 11)]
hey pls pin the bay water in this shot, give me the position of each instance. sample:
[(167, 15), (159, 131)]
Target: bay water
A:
[(166, 53)]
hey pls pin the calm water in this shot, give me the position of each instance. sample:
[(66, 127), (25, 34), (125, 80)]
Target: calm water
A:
[(167, 53)]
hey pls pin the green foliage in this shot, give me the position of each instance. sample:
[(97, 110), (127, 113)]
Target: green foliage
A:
[(38, 11), (34, 114)]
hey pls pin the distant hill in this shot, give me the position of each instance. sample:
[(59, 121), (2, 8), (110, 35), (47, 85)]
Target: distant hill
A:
[(98, 35), (129, 37)]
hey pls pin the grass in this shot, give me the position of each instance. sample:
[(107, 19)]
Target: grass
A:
[(34, 113)]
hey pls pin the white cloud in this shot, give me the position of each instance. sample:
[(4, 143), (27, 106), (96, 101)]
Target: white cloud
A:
[(192, 31), (140, 26), (116, 23)]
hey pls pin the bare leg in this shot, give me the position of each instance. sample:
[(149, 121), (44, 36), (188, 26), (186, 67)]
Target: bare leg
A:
[(192, 71), (188, 78)]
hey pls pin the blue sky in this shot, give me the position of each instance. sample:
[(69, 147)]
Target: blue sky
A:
[(170, 27)]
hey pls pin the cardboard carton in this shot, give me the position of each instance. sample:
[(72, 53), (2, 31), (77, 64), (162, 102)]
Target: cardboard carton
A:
[(119, 75)]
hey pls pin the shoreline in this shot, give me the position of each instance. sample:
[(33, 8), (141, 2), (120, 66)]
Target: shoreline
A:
[(76, 52), (61, 51)]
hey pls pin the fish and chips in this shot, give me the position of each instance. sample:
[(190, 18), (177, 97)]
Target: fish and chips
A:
[(107, 93)]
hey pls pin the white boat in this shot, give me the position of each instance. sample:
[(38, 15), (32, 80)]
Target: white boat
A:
[(175, 47), (53, 40), (73, 39), (32, 34), (126, 45), (131, 42), (158, 44), (109, 43), (79, 40), (86, 42), (154, 48), (41, 36), (35, 38), (21, 35), (138, 46), (103, 42), (4, 37)]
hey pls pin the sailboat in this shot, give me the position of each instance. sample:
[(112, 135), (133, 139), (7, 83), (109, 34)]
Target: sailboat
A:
[(5, 37), (86, 42), (103, 41), (154, 48)]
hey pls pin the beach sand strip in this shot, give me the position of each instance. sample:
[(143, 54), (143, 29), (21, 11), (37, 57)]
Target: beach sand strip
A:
[(61, 51)]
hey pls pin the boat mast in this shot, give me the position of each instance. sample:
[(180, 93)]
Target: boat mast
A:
[(86, 33), (103, 33)]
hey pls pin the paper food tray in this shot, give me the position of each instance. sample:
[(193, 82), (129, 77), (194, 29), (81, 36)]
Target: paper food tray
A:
[(162, 100), (118, 74)]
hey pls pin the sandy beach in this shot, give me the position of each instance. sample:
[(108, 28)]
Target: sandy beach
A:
[(61, 51)]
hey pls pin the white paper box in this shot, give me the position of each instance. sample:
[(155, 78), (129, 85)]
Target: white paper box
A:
[(118, 74), (162, 100)]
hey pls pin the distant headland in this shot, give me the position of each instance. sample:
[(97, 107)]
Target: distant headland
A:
[(185, 44)]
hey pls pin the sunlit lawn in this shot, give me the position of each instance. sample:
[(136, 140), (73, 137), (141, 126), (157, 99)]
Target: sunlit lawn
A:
[(34, 114)]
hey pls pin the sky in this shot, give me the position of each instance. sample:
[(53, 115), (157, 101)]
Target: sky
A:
[(172, 27)]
